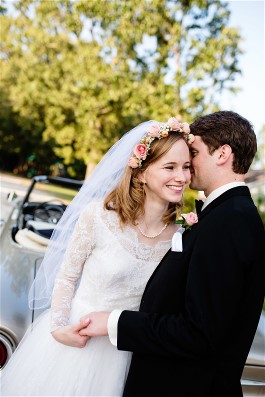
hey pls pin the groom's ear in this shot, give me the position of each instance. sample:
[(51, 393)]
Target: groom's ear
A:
[(224, 153)]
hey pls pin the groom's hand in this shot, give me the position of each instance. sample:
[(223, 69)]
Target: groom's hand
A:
[(94, 324), (69, 335)]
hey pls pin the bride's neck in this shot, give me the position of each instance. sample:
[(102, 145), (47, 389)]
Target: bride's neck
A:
[(153, 214)]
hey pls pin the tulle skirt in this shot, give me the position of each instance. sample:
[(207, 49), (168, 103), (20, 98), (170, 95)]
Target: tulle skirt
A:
[(41, 366)]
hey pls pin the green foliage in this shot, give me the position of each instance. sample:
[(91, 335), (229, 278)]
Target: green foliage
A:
[(189, 200), (76, 75)]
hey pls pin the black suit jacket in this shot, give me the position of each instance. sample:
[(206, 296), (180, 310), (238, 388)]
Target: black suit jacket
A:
[(201, 307)]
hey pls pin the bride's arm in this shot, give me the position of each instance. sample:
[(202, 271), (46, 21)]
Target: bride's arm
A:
[(79, 248)]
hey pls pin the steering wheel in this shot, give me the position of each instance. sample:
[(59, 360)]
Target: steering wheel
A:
[(49, 212)]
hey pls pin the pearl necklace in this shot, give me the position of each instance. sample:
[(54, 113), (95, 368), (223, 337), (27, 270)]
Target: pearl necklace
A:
[(156, 235)]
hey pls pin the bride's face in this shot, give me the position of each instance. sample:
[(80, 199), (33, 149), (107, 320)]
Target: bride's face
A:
[(165, 179)]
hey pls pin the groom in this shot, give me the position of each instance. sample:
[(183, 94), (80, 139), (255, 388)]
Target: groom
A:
[(201, 307)]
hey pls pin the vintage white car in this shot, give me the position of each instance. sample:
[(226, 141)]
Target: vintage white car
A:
[(24, 238)]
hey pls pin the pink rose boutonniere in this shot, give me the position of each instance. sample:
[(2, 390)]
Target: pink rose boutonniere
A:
[(188, 220)]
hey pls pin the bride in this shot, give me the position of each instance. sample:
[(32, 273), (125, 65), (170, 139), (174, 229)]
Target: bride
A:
[(104, 249)]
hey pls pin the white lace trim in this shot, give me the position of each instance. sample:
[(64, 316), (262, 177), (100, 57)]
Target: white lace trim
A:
[(114, 265)]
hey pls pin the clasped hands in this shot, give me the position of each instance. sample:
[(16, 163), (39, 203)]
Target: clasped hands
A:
[(77, 335)]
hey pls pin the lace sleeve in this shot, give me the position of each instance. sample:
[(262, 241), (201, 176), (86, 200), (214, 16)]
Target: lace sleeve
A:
[(79, 248)]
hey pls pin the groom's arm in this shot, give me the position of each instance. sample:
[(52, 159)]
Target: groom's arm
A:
[(101, 324), (222, 283), (216, 284), (113, 326)]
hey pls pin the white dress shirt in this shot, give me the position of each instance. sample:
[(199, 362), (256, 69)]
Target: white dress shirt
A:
[(220, 190), (115, 314)]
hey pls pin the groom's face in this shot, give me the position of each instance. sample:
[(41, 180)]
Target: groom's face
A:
[(203, 167)]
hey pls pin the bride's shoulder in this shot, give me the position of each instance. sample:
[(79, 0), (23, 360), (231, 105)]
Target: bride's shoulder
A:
[(92, 210), (97, 209)]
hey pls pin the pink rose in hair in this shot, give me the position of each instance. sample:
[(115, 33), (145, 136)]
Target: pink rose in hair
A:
[(191, 138), (133, 162), (190, 218), (140, 151), (164, 134), (173, 123), (185, 128), (154, 130)]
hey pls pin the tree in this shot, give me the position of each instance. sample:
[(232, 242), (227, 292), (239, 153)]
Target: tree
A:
[(82, 73)]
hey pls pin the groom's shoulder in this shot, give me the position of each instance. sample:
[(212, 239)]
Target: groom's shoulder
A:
[(234, 210), (241, 215)]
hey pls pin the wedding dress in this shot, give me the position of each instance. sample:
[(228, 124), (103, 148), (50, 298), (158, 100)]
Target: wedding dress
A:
[(115, 268)]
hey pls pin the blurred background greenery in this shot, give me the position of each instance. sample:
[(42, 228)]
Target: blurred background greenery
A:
[(76, 75)]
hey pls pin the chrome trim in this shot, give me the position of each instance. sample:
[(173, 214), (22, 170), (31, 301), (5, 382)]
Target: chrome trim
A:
[(9, 340)]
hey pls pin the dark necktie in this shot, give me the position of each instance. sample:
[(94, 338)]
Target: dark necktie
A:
[(198, 206)]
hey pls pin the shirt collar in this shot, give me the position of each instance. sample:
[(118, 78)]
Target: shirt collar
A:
[(220, 190)]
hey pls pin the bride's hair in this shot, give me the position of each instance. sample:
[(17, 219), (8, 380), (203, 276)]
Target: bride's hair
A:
[(128, 198)]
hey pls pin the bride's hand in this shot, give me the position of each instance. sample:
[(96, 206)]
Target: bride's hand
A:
[(69, 335), (94, 324)]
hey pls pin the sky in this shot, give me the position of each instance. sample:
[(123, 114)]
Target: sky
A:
[(249, 16)]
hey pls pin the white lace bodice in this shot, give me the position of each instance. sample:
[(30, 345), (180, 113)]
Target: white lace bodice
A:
[(115, 266)]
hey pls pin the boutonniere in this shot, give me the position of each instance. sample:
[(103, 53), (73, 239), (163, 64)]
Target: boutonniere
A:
[(188, 220)]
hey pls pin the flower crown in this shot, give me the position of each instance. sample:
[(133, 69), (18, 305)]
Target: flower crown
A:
[(158, 131)]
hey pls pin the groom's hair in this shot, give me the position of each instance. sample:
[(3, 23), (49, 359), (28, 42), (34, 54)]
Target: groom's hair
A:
[(229, 128)]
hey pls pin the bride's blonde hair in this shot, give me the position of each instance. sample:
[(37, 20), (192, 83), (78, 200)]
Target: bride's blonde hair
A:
[(128, 198)]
